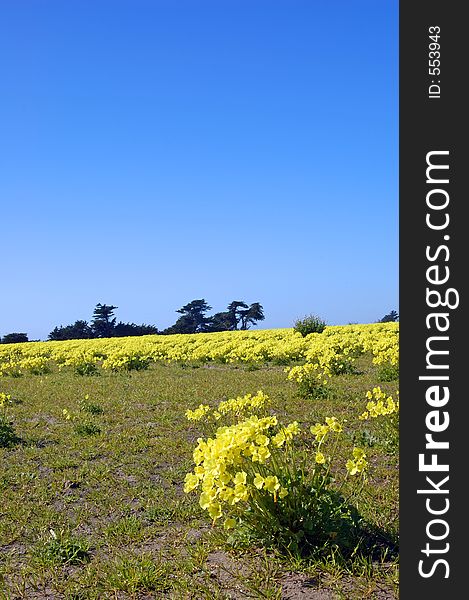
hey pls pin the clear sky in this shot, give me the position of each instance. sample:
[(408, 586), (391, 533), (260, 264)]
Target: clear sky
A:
[(154, 152)]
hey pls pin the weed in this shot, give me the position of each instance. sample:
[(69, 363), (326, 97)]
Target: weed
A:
[(86, 428), (137, 574), (309, 324), (61, 549)]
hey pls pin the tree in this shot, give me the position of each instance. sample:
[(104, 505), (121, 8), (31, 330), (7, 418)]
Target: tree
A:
[(104, 322), (193, 319), (128, 329), (390, 317), (235, 311), (80, 330), (238, 315), (251, 315), (15, 338), (221, 321)]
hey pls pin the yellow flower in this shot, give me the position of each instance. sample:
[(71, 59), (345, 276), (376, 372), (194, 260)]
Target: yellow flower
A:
[(279, 439), (292, 429), (320, 431), (334, 424), (206, 499), (241, 492), (320, 458), (240, 477), (351, 467), (358, 453), (229, 523), (191, 482), (272, 483), (261, 454), (214, 510), (258, 481), (225, 478), (282, 493), (359, 464), (199, 471), (198, 413), (227, 495)]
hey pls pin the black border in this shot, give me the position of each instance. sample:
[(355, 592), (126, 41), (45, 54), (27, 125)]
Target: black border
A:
[(427, 124)]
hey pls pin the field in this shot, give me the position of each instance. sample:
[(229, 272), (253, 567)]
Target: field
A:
[(97, 448)]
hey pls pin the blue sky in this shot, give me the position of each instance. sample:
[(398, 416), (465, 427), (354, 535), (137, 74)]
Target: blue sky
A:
[(155, 152)]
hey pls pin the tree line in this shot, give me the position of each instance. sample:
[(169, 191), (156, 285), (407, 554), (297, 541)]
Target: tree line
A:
[(193, 319)]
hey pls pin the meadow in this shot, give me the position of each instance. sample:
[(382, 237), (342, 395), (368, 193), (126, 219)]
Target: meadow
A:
[(101, 495)]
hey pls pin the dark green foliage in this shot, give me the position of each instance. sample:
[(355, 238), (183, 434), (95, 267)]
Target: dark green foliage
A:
[(238, 315), (80, 330), (87, 368), (185, 324), (63, 550), (221, 321), (309, 324), (251, 315), (310, 388), (104, 322), (193, 319), (14, 338), (390, 317), (91, 408), (102, 326), (86, 428), (365, 438), (388, 373), (321, 519), (8, 437), (235, 310), (128, 329)]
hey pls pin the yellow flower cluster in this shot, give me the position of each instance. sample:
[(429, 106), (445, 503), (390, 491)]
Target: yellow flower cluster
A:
[(225, 466), (5, 399), (67, 415), (320, 430), (314, 371), (198, 413), (358, 463), (330, 350), (379, 404), (241, 404), (237, 406), (334, 351), (285, 434), (254, 464), (10, 368)]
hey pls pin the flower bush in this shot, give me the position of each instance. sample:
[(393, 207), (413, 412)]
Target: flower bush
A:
[(384, 410), (276, 483), (8, 435), (309, 324), (311, 379)]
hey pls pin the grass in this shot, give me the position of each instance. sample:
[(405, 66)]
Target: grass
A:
[(93, 507)]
